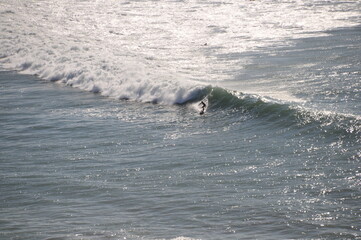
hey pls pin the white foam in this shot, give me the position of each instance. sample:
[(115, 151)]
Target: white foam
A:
[(149, 50)]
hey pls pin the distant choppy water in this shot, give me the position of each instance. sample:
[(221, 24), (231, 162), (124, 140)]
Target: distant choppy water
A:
[(275, 156)]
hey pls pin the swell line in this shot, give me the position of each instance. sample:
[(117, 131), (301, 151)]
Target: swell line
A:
[(284, 114)]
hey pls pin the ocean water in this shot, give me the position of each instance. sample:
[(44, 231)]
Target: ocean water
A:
[(101, 135)]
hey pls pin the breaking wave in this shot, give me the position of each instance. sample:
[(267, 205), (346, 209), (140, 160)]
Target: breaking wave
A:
[(285, 114)]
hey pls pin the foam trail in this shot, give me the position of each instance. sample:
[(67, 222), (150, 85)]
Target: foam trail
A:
[(81, 60)]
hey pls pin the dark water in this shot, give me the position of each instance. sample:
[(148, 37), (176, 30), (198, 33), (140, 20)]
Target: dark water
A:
[(75, 165)]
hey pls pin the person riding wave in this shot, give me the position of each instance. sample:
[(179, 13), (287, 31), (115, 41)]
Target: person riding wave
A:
[(203, 106)]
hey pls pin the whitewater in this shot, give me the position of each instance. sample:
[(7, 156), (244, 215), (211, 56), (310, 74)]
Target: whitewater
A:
[(155, 52), (101, 135)]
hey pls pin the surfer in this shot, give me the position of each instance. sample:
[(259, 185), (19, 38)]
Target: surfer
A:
[(203, 106)]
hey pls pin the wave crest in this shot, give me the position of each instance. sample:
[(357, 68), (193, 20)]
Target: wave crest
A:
[(283, 114)]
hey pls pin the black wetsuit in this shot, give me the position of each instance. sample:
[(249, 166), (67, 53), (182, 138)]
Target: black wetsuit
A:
[(203, 107)]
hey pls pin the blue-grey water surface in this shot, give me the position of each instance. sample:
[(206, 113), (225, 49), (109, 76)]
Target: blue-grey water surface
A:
[(275, 156)]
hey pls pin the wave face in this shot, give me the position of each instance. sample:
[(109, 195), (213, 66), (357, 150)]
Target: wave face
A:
[(283, 114), (167, 54)]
